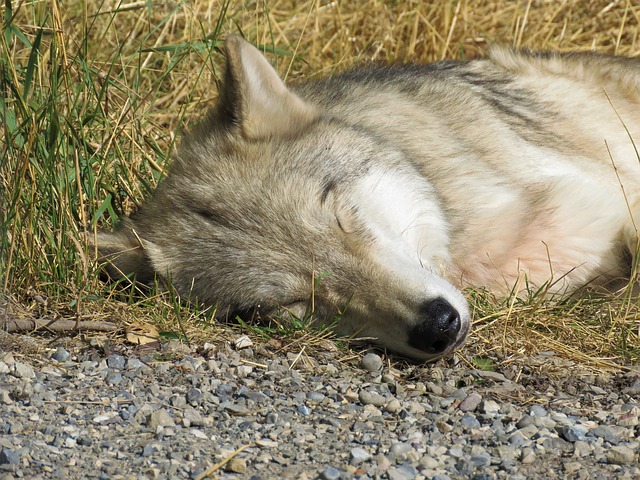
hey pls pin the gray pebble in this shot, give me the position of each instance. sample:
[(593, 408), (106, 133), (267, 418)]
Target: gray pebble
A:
[(194, 396), (495, 376), (481, 460), (393, 406), (582, 449), (160, 418), (403, 472), (271, 418), (134, 364), (334, 422), (525, 421), (563, 419), (571, 434), (460, 394), (470, 403), (84, 440), (4, 368), (489, 407), (23, 370), (508, 465), (359, 455), (518, 440), (469, 421), (388, 378), (456, 451), (186, 365), (428, 462), (369, 397), (331, 473), (149, 450), (371, 362), (236, 465), (192, 418), (113, 378), (621, 455), (236, 409), (9, 457), (116, 361), (224, 389), (257, 397), (558, 443), (435, 389), (5, 397), (400, 450), (605, 432), (530, 431), (315, 396), (304, 410), (61, 355), (178, 401), (538, 411)]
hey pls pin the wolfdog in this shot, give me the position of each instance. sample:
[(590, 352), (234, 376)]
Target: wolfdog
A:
[(376, 195)]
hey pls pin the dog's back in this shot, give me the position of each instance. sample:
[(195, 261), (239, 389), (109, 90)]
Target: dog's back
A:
[(531, 154)]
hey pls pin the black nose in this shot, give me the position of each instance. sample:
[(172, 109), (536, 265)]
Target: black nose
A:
[(438, 328)]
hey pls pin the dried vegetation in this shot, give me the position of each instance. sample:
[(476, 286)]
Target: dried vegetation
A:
[(93, 94)]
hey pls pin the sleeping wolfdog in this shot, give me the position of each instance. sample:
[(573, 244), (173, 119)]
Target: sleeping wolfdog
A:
[(376, 194)]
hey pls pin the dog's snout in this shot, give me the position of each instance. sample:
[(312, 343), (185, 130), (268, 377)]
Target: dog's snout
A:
[(438, 328)]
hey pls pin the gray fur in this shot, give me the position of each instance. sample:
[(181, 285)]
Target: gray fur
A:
[(260, 208)]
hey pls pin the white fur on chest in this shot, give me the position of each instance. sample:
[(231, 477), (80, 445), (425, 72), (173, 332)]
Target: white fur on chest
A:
[(553, 220), (568, 236)]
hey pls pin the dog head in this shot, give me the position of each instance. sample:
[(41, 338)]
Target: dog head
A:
[(273, 202)]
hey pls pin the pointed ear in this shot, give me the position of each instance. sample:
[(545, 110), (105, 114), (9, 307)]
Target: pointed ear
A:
[(123, 255), (254, 97)]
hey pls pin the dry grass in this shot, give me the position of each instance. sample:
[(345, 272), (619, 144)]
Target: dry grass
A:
[(94, 93)]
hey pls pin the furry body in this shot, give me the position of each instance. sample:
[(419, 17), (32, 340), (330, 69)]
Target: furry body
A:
[(382, 192)]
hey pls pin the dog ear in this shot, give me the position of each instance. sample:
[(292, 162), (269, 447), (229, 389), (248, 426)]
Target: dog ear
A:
[(254, 97), (123, 255)]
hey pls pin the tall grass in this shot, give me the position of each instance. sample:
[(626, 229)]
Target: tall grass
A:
[(93, 96), (84, 137)]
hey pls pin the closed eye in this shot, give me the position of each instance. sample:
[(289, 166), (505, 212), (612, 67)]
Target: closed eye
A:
[(215, 217), (328, 187), (207, 215), (347, 220)]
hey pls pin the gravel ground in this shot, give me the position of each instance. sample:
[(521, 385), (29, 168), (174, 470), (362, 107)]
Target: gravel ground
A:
[(114, 413)]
